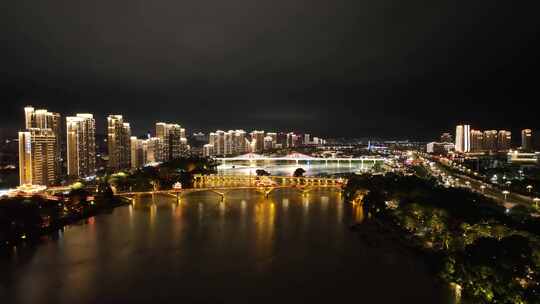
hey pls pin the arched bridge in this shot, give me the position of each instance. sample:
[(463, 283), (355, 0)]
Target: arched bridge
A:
[(221, 184)]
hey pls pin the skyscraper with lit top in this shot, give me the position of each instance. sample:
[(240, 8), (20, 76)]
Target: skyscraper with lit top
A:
[(81, 145), (39, 148), (463, 138), (118, 142), (526, 140)]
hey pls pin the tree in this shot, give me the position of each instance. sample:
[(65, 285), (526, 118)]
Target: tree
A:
[(493, 271), (78, 195), (261, 172), (299, 172)]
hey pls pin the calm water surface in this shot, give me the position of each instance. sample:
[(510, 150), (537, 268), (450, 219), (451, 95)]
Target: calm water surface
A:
[(288, 248)]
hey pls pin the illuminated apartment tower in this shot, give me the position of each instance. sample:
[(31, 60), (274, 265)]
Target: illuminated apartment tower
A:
[(119, 141), (504, 140), (138, 153), (526, 140), (240, 144), (292, 140), (269, 143), (219, 142), (43, 119), (81, 145), (490, 140), (208, 150), (257, 139), (173, 138), (212, 141), (37, 157), (274, 137), (229, 142), (477, 141), (463, 138), (154, 150)]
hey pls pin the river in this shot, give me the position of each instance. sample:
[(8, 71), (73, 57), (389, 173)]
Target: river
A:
[(287, 248)]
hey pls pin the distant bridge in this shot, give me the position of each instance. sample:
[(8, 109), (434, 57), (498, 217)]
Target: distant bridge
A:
[(299, 157)]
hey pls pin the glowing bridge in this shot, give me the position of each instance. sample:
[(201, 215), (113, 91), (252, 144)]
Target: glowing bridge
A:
[(222, 184), (298, 157)]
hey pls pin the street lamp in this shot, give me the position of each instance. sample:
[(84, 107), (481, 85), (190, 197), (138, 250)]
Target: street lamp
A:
[(536, 200), (482, 188), (529, 187), (505, 192)]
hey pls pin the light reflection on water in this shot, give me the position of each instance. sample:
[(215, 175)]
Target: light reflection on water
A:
[(289, 247)]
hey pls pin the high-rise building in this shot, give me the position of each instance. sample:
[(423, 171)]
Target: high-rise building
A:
[(119, 141), (43, 119), (81, 145), (269, 143), (173, 137), (463, 138), (307, 140), (274, 136), (208, 150), (229, 142), (504, 140), (239, 142), (446, 138), (138, 153), (219, 144), (153, 148), (282, 139), (37, 157), (490, 140), (292, 140), (213, 141), (526, 140), (477, 141), (257, 138)]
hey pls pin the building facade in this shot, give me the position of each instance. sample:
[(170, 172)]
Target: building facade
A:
[(43, 119), (477, 141), (526, 140), (504, 140), (173, 138), (37, 157), (463, 138), (118, 142), (81, 145)]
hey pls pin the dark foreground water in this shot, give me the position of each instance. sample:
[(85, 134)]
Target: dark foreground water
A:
[(286, 249)]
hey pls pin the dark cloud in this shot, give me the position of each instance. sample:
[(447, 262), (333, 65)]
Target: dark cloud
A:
[(353, 68)]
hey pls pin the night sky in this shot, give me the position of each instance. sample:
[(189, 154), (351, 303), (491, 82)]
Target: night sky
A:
[(353, 68)]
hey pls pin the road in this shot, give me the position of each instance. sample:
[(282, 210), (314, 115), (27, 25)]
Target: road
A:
[(494, 192)]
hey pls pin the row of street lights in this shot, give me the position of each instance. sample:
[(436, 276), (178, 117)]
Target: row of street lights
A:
[(462, 168)]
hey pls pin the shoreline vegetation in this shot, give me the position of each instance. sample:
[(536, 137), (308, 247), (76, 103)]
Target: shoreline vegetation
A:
[(27, 218), (484, 252)]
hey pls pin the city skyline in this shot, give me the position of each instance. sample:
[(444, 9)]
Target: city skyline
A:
[(100, 126)]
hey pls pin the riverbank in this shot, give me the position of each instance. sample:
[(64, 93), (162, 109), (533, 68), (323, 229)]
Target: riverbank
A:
[(34, 228), (454, 230)]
